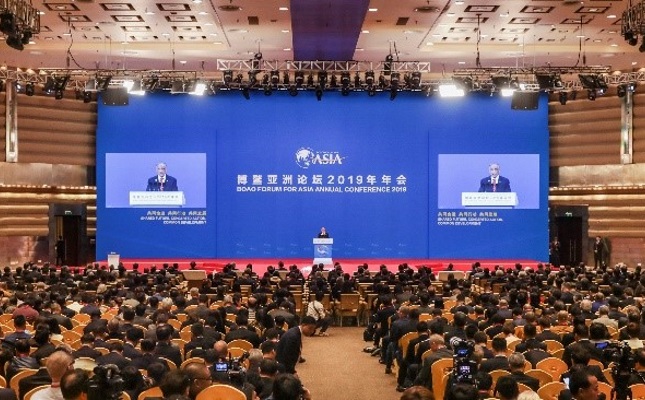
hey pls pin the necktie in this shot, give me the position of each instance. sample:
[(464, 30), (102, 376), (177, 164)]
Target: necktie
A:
[(494, 185), (161, 185)]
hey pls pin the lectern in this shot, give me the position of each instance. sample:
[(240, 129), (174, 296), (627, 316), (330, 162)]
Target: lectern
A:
[(157, 199), (322, 251), (194, 277)]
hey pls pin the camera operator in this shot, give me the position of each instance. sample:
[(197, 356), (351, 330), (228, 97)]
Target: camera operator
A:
[(226, 370), (73, 385), (638, 374)]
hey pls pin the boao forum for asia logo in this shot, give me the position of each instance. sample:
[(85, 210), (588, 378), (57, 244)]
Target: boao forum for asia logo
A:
[(306, 157)]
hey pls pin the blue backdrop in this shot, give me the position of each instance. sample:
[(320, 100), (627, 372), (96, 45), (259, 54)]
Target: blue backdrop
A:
[(382, 176)]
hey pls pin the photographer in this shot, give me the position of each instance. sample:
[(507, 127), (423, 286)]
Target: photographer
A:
[(638, 373)]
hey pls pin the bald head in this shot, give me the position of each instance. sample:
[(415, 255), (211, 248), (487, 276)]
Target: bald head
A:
[(221, 348), (58, 363)]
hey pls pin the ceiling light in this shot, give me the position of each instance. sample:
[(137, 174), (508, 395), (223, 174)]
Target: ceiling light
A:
[(197, 1), (611, 16), (285, 31), (365, 31), (283, 9), (450, 14), (372, 9), (459, 2), (148, 12), (450, 90), (287, 49), (202, 13)]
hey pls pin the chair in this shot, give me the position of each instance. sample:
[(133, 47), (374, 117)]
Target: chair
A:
[(186, 335), (605, 388), (15, 380), (597, 363), (348, 306), (4, 318), (3, 381), (82, 319), (438, 369), (171, 365), (154, 391), (512, 345), (192, 360), (554, 366), (34, 390), (219, 392), (550, 391), (523, 387), (553, 345), (527, 365), (638, 391), (542, 376), (558, 353), (70, 336), (241, 343), (496, 374), (608, 376), (405, 341), (236, 352), (175, 323), (80, 329), (124, 396)]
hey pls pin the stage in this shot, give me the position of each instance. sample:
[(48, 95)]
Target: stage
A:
[(260, 265)]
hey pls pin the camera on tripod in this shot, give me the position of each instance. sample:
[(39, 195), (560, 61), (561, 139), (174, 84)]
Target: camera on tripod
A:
[(233, 367), (105, 384), (465, 368), (620, 354)]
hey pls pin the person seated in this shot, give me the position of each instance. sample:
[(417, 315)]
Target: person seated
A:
[(58, 364), (21, 360), (506, 388), (500, 360), (73, 385), (516, 362)]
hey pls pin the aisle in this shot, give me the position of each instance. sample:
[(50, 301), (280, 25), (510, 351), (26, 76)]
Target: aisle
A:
[(338, 369)]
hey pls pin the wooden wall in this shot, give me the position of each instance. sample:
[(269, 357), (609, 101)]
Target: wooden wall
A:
[(56, 143)]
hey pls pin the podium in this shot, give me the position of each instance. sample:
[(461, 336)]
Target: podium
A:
[(322, 251), (194, 277), (489, 199), (113, 259), (157, 199)]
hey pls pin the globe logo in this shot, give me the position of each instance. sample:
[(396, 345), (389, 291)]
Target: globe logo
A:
[(304, 157)]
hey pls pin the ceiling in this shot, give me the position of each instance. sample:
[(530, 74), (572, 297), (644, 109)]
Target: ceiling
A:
[(187, 35)]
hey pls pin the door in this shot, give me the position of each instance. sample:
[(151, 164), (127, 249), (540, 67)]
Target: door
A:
[(69, 227), (570, 235)]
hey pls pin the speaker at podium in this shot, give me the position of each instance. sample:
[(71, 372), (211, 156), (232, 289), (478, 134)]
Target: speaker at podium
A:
[(323, 251)]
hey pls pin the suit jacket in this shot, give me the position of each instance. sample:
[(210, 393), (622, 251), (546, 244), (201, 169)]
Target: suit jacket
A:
[(130, 352), (155, 186), (40, 378), (145, 360), (494, 363), (521, 377), (7, 394), (169, 351), (503, 185), (548, 334), (113, 358), (86, 351), (289, 348), (244, 334)]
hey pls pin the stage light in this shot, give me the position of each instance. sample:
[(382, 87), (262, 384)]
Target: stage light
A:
[(451, 90), (15, 42), (177, 87), (333, 82), (127, 84), (253, 77), (369, 78), (381, 81), (87, 97), (265, 79), (238, 79), (310, 80), (357, 80), (563, 97), (268, 91), (415, 80), (58, 94), (549, 82), (285, 78), (633, 41), (137, 88), (322, 78), (319, 93), (591, 94), (29, 89), (293, 91), (228, 77), (300, 78), (345, 91), (199, 88), (26, 36), (394, 80), (345, 79), (246, 93), (7, 23), (621, 90), (275, 77)]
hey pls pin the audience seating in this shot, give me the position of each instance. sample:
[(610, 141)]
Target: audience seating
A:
[(554, 366), (152, 392), (437, 371), (33, 391), (550, 391), (15, 380), (220, 392)]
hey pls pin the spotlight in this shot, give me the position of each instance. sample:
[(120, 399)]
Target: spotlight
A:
[(245, 93), (285, 78), (7, 23), (26, 36), (451, 90), (621, 90), (300, 78), (369, 78), (631, 86), (633, 41), (50, 85), (293, 91), (238, 79), (29, 89), (593, 82), (591, 94), (333, 82), (267, 90), (415, 80), (628, 35), (429, 91), (199, 88), (345, 79), (345, 91), (319, 93), (357, 80), (563, 97), (228, 77), (58, 94), (275, 77), (265, 79), (87, 97), (381, 81), (549, 82), (322, 78), (15, 42), (253, 77), (310, 79)]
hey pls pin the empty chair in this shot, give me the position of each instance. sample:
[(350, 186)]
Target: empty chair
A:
[(550, 391)]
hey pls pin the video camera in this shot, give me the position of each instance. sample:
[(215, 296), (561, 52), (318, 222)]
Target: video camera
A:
[(620, 354), (465, 368), (106, 384), (233, 367)]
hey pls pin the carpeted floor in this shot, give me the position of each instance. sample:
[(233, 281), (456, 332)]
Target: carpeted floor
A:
[(338, 369)]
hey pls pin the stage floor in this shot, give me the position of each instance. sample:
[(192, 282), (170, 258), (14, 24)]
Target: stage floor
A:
[(260, 265)]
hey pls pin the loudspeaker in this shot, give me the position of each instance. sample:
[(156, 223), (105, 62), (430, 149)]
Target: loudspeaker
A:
[(117, 96), (525, 100)]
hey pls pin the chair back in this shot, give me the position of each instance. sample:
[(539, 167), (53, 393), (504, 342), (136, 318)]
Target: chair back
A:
[(523, 387), (15, 380), (604, 388), (638, 391), (496, 374), (220, 392), (554, 366), (154, 391), (541, 375), (241, 343), (438, 369), (34, 390), (405, 341), (550, 391), (553, 345)]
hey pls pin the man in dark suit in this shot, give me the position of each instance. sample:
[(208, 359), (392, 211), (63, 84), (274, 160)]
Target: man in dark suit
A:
[(495, 182), (516, 362), (500, 361), (290, 344), (164, 347), (115, 356), (323, 233), (243, 332), (162, 182), (87, 348)]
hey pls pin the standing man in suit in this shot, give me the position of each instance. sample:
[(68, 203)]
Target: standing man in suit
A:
[(494, 182), (162, 182), (323, 233), (290, 345)]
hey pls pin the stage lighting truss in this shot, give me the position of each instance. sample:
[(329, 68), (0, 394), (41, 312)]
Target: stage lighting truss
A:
[(19, 21), (342, 77), (633, 24)]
